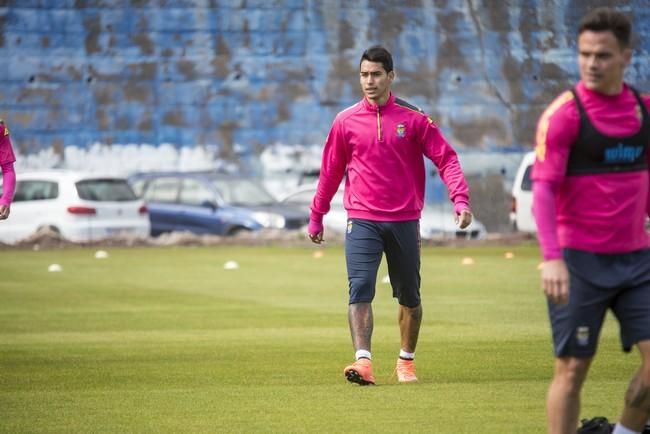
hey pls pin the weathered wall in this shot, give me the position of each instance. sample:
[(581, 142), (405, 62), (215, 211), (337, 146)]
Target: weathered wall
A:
[(257, 72)]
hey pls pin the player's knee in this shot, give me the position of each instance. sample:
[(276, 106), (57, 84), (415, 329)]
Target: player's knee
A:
[(362, 290), (409, 300), (570, 380), (571, 372), (407, 295)]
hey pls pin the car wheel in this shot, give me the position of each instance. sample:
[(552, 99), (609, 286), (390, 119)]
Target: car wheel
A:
[(237, 230), (49, 229)]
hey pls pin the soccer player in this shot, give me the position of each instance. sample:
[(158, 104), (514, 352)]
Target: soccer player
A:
[(590, 201), (379, 144), (7, 160)]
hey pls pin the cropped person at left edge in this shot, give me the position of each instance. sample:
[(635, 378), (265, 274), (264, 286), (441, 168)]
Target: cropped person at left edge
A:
[(7, 159)]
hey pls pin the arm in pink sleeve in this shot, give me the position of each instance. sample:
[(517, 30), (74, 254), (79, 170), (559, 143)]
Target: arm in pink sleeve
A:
[(646, 100), (7, 159), (557, 130), (440, 152), (8, 183), (331, 172), (545, 217)]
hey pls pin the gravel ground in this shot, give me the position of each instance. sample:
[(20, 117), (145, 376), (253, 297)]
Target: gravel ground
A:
[(50, 240)]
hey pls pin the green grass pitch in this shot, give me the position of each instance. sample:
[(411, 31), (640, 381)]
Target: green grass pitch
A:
[(167, 340)]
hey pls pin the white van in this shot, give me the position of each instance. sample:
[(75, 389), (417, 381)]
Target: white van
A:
[(521, 213)]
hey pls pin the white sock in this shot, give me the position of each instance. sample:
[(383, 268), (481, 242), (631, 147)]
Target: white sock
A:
[(404, 355), (620, 429), (362, 354)]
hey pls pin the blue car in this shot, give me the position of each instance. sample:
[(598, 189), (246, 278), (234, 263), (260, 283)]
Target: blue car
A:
[(212, 203)]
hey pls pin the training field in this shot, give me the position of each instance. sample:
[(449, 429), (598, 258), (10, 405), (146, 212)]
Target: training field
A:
[(167, 340)]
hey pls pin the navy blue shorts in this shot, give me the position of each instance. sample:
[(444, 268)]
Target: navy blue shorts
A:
[(366, 241), (620, 282)]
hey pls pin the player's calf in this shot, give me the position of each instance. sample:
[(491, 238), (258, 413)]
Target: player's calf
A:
[(637, 396)]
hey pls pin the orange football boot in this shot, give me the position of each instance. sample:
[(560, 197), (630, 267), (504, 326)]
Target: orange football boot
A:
[(405, 370), (360, 372)]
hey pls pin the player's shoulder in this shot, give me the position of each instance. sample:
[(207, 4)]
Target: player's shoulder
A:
[(561, 115), (347, 112), (4, 129), (645, 96), (563, 102), (417, 112), (405, 105)]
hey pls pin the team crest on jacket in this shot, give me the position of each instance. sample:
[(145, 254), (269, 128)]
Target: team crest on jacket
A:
[(400, 130)]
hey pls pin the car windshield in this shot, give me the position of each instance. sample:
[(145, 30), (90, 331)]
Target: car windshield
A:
[(243, 192), (105, 190)]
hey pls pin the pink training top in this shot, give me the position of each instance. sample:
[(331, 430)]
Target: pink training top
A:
[(7, 159), (382, 149), (601, 213)]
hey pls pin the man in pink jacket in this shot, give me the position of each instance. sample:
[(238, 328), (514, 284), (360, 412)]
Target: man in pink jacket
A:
[(379, 144), (591, 198), (7, 160)]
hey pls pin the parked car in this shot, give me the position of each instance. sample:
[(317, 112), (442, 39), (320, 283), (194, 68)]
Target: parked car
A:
[(521, 212), (79, 206), (335, 220), (437, 220), (212, 203)]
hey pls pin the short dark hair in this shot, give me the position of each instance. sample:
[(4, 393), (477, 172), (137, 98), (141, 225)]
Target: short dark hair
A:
[(378, 54), (604, 19)]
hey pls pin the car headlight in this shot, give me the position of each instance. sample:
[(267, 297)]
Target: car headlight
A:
[(270, 220)]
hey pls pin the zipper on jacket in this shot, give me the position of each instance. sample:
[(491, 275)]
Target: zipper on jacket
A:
[(378, 125)]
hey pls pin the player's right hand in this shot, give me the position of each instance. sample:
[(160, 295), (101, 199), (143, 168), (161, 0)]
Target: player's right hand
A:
[(315, 230), (555, 281), (316, 238), (464, 218)]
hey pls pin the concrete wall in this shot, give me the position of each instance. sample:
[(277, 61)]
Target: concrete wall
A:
[(244, 74)]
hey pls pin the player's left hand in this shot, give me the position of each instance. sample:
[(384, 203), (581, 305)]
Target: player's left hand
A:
[(4, 212), (555, 281), (464, 218)]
